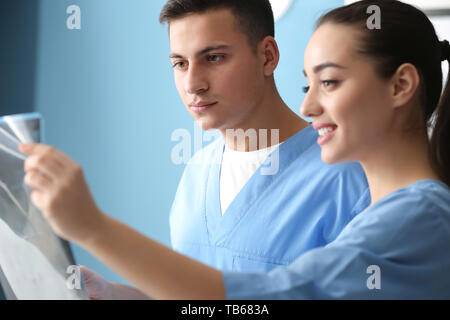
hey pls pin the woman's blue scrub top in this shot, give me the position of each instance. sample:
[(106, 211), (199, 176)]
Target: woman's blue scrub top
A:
[(399, 248), (276, 217)]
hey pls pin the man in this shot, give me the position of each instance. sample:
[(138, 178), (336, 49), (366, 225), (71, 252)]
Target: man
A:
[(230, 212)]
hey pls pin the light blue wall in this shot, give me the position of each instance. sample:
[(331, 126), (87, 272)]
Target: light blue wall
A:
[(108, 99), (292, 33)]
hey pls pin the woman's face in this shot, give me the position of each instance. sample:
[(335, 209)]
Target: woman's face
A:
[(348, 103)]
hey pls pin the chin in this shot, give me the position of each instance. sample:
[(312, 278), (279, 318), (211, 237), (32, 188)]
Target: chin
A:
[(337, 157), (330, 157), (206, 124), (328, 160)]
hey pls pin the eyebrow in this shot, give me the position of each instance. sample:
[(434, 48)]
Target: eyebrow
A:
[(201, 52), (325, 65)]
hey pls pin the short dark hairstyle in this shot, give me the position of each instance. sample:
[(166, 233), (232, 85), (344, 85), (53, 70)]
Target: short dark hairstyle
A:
[(254, 17), (406, 36)]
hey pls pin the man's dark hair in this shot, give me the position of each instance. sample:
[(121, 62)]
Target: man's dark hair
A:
[(253, 17)]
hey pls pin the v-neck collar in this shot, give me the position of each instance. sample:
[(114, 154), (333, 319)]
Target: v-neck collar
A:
[(221, 226)]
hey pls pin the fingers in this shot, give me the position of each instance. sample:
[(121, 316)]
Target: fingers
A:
[(95, 284), (46, 164), (37, 181), (60, 191), (38, 199), (43, 159), (87, 274), (32, 148)]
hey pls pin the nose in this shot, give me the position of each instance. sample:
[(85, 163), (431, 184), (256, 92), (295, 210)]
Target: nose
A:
[(311, 107), (196, 81)]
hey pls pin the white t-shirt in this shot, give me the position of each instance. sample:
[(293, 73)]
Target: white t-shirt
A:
[(237, 168)]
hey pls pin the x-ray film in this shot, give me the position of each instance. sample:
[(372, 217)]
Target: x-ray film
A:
[(34, 261)]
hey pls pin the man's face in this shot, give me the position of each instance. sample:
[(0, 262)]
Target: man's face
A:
[(219, 77)]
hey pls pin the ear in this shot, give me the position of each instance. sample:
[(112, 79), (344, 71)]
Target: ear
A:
[(405, 82), (268, 51)]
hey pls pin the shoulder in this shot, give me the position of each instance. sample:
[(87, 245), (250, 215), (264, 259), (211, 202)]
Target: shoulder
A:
[(422, 196), (419, 210), (196, 172), (197, 167), (210, 154), (420, 200)]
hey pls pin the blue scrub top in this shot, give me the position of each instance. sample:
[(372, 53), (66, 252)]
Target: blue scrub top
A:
[(399, 248), (303, 205)]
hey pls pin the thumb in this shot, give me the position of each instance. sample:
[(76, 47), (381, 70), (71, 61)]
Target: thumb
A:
[(27, 148), (85, 272)]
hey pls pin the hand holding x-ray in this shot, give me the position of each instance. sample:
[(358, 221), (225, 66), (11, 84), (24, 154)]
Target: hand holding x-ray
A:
[(60, 191), (33, 259)]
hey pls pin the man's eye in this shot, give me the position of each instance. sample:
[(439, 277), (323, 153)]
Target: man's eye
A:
[(305, 89), (215, 57), (179, 65)]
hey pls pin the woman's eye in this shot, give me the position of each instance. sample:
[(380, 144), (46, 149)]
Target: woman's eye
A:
[(329, 83), (326, 83)]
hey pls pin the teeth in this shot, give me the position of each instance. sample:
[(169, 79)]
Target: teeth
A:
[(326, 130)]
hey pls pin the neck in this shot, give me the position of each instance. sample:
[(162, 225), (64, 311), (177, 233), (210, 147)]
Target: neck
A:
[(270, 123), (397, 164)]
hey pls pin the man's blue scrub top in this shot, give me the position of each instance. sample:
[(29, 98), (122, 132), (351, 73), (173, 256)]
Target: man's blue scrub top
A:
[(275, 217), (399, 248)]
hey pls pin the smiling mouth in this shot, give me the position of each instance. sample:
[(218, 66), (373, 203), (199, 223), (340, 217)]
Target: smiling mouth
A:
[(324, 131), (326, 134)]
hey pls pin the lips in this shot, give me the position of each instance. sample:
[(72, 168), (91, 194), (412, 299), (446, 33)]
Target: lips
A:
[(318, 126), (326, 132), (202, 106)]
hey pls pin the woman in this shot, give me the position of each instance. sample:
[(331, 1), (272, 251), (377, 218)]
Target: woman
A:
[(371, 96)]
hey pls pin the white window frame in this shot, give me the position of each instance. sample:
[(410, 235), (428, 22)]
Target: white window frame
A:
[(431, 7)]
